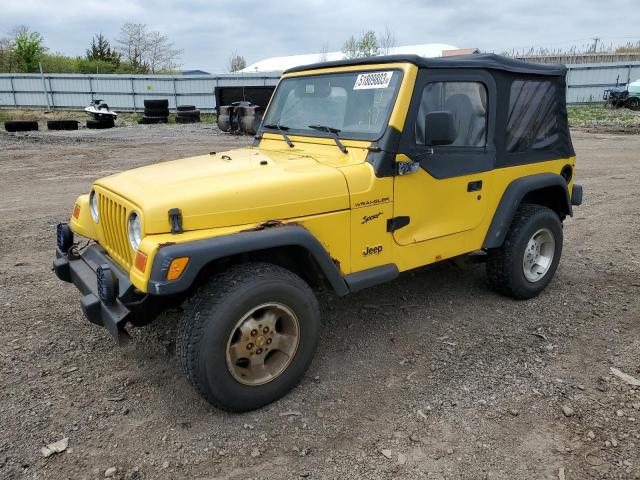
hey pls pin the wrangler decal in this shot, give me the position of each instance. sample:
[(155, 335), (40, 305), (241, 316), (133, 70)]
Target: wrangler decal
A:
[(375, 201)]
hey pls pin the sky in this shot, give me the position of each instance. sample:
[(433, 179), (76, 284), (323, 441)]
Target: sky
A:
[(209, 31)]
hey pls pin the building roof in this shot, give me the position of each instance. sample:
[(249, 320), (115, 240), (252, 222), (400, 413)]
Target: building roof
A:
[(481, 60), (278, 64), (460, 51), (194, 72)]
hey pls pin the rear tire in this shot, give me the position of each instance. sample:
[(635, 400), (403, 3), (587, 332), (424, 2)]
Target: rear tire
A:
[(228, 326), (527, 260)]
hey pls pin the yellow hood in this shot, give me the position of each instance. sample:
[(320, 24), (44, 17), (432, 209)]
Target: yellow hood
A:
[(237, 187)]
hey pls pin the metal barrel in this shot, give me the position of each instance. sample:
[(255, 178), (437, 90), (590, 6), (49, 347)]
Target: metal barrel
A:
[(224, 118)]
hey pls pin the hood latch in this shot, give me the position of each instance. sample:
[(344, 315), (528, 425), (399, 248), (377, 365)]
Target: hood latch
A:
[(175, 220)]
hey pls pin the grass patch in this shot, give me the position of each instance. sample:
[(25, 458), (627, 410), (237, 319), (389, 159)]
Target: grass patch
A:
[(603, 118)]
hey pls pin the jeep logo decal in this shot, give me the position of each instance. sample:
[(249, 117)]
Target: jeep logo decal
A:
[(377, 250), (368, 218)]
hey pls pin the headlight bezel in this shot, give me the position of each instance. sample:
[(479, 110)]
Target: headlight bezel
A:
[(93, 206), (134, 230)]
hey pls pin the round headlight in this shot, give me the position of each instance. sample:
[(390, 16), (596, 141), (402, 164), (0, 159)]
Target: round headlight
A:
[(135, 230), (93, 206)]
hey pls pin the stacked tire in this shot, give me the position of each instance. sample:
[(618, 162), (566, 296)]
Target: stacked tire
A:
[(20, 125), (155, 111), (187, 114)]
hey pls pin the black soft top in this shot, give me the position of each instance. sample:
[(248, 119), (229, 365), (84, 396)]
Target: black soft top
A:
[(488, 61)]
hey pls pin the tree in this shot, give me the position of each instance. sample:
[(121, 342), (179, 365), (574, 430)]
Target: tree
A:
[(366, 46), (161, 56), (133, 45), (8, 60), (146, 51), (101, 50), (28, 48), (350, 48), (236, 62), (387, 41)]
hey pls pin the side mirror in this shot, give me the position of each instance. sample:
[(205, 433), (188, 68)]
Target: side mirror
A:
[(439, 128)]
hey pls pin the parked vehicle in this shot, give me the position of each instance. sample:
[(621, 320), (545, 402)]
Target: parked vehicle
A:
[(633, 101), (624, 96), (99, 111), (101, 116), (361, 169)]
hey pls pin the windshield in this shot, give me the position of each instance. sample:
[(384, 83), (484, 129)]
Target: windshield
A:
[(357, 104)]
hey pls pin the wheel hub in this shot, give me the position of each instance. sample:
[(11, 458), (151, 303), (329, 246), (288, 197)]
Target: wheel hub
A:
[(538, 255), (263, 343)]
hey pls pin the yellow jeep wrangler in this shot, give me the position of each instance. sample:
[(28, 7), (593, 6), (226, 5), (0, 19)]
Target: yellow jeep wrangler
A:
[(361, 169)]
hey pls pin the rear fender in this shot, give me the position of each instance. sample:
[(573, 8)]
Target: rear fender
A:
[(549, 189)]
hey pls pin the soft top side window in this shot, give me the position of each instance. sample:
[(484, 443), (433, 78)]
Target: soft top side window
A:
[(532, 116), (467, 102)]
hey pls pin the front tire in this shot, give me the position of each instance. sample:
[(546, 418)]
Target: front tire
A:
[(248, 335), (527, 260)]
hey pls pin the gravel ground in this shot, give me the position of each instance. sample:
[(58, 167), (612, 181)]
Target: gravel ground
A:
[(430, 376)]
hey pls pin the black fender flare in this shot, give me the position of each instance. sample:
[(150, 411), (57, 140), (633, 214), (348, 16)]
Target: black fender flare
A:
[(202, 252), (511, 199)]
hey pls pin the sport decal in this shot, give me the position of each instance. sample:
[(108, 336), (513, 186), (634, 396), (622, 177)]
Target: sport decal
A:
[(368, 218)]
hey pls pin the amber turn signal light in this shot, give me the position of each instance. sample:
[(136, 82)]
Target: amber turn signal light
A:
[(76, 211), (176, 267), (141, 261)]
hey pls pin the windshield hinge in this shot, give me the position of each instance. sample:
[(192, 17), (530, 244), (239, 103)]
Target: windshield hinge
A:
[(403, 168), (396, 223), (175, 220)]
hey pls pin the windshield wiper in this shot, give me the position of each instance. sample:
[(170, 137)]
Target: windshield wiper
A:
[(282, 129), (334, 131)]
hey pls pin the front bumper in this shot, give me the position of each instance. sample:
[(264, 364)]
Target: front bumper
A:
[(81, 270)]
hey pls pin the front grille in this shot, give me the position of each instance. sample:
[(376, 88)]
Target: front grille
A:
[(113, 218)]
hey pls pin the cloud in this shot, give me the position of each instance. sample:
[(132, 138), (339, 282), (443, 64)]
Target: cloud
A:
[(209, 31)]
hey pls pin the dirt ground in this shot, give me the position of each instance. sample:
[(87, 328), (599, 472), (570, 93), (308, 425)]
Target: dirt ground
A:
[(430, 376)]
